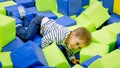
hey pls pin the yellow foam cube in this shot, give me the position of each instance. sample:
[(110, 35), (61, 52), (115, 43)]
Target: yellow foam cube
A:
[(116, 7)]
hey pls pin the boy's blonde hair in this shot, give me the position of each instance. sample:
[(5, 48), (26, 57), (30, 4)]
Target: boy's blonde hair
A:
[(83, 34)]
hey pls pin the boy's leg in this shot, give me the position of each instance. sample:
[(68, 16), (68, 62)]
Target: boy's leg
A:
[(32, 29)]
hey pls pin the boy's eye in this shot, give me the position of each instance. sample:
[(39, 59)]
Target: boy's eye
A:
[(78, 44)]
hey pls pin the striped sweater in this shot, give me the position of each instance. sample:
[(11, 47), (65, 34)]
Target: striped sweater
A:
[(53, 32)]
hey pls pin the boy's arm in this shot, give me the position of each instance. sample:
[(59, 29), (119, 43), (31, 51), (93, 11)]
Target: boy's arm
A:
[(71, 56)]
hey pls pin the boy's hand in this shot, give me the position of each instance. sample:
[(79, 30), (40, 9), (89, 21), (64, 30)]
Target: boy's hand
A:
[(75, 61)]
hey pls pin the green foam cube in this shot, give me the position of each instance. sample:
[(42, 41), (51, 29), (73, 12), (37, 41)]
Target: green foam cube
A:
[(77, 66), (105, 37), (111, 60), (0, 49), (5, 59), (46, 5), (58, 14), (92, 50), (7, 30), (84, 22), (114, 28), (5, 4), (55, 57), (93, 1), (97, 14)]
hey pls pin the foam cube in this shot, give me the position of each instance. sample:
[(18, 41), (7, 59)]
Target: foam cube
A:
[(108, 4), (65, 21), (97, 14), (110, 60), (7, 30), (18, 20), (43, 67), (37, 40), (2, 0), (118, 41), (105, 37), (46, 5), (90, 61), (92, 50), (58, 14), (28, 55), (92, 2), (5, 4), (55, 57), (77, 66), (5, 60), (85, 2), (48, 14), (113, 28), (13, 10), (32, 10), (26, 3), (113, 18), (116, 8), (0, 49), (16, 43), (0, 65), (84, 22), (69, 7)]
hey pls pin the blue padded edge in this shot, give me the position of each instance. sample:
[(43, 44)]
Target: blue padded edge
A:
[(37, 40), (113, 18), (108, 4), (48, 14), (118, 41), (26, 3), (88, 62), (28, 56), (66, 21), (13, 10), (16, 43)]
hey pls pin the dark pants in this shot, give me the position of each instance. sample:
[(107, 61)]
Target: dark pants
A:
[(27, 33)]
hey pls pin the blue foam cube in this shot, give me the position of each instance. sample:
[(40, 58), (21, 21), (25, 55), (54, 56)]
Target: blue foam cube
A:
[(16, 43), (26, 3), (13, 10), (18, 20), (108, 4), (118, 41), (0, 65), (32, 10), (90, 61), (66, 21), (28, 56), (80, 11), (37, 40), (69, 7), (43, 67), (85, 2), (113, 18), (48, 14), (2, 0)]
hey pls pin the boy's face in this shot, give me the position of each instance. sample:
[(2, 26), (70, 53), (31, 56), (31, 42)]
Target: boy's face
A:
[(76, 43)]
